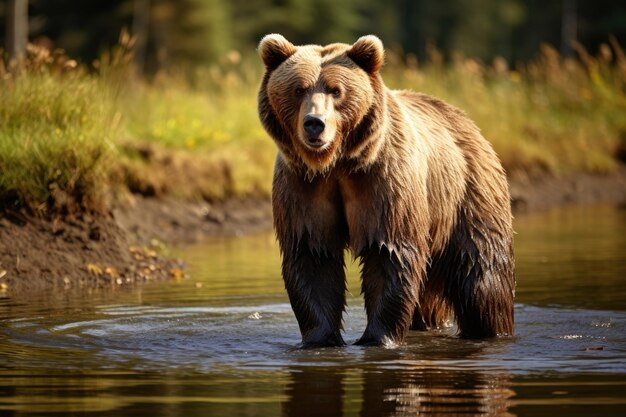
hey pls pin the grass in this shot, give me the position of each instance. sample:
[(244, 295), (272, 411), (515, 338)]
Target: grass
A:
[(72, 139), (552, 115), (205, 126), (57, 138)]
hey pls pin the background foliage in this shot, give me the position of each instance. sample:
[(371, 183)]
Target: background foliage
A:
[(182, 32)]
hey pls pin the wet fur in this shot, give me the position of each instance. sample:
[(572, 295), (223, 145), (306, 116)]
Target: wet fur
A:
[(408, 184)]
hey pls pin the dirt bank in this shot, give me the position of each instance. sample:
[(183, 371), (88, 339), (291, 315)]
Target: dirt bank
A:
[(534, 194), (122, 247), (81, 251)]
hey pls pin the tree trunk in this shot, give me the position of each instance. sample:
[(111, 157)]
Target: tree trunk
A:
[(140, 29), (569, 29), (17, 27)]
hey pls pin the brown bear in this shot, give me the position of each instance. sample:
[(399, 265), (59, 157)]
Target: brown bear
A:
[(404, 180)]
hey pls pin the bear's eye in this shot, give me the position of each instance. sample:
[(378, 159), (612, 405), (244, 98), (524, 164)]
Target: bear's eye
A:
[(299, 91), (335, 92)]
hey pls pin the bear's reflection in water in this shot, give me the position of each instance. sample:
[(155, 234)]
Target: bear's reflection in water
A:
[(391, 384)]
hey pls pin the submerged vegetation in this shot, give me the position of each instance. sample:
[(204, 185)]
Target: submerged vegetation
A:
[(73, 137)]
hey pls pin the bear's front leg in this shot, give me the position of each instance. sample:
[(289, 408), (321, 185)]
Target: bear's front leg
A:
[(316, 284), (313, 236), (390, 286)]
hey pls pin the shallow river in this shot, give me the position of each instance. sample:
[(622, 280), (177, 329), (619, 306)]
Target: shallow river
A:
[(223, 342)]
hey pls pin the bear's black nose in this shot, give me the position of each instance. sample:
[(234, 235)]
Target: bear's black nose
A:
[(313, 125)]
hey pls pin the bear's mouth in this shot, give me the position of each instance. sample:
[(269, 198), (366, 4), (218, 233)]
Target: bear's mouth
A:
[(316, 143)]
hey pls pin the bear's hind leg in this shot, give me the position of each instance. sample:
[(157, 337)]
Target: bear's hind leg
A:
[(433, 309), (316, 286), (481, 277)]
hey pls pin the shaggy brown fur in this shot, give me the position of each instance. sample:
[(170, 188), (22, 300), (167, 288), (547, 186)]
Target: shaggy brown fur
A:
[(404, 180)]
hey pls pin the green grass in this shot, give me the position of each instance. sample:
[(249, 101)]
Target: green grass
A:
[(73, 139), (206, 126), (57, 140)]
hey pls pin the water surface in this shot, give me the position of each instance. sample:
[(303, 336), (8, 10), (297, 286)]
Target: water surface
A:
[(223, 342)]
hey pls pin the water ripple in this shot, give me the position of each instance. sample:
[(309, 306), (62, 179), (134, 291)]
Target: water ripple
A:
[(266, 336)]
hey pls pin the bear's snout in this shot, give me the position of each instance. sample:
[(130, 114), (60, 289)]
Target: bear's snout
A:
[(314, 125)]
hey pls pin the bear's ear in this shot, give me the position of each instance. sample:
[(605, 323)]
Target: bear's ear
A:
[(368, 53), (274, 50)]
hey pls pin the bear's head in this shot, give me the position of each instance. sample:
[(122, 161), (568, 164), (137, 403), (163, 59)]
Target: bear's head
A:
[(322, 104)]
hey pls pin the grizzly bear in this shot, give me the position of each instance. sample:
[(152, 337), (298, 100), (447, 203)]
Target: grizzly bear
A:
[(404, 180)]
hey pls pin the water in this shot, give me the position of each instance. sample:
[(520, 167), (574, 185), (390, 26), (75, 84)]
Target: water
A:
[(223, 341)]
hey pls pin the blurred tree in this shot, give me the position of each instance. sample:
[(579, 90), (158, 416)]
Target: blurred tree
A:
[(16, 26), (191, 32), (141, 31), (569, 26), (590, 23), (542, 24), (479, 28), (484, 28), (599, 18), (300, 21), (83, 28)]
